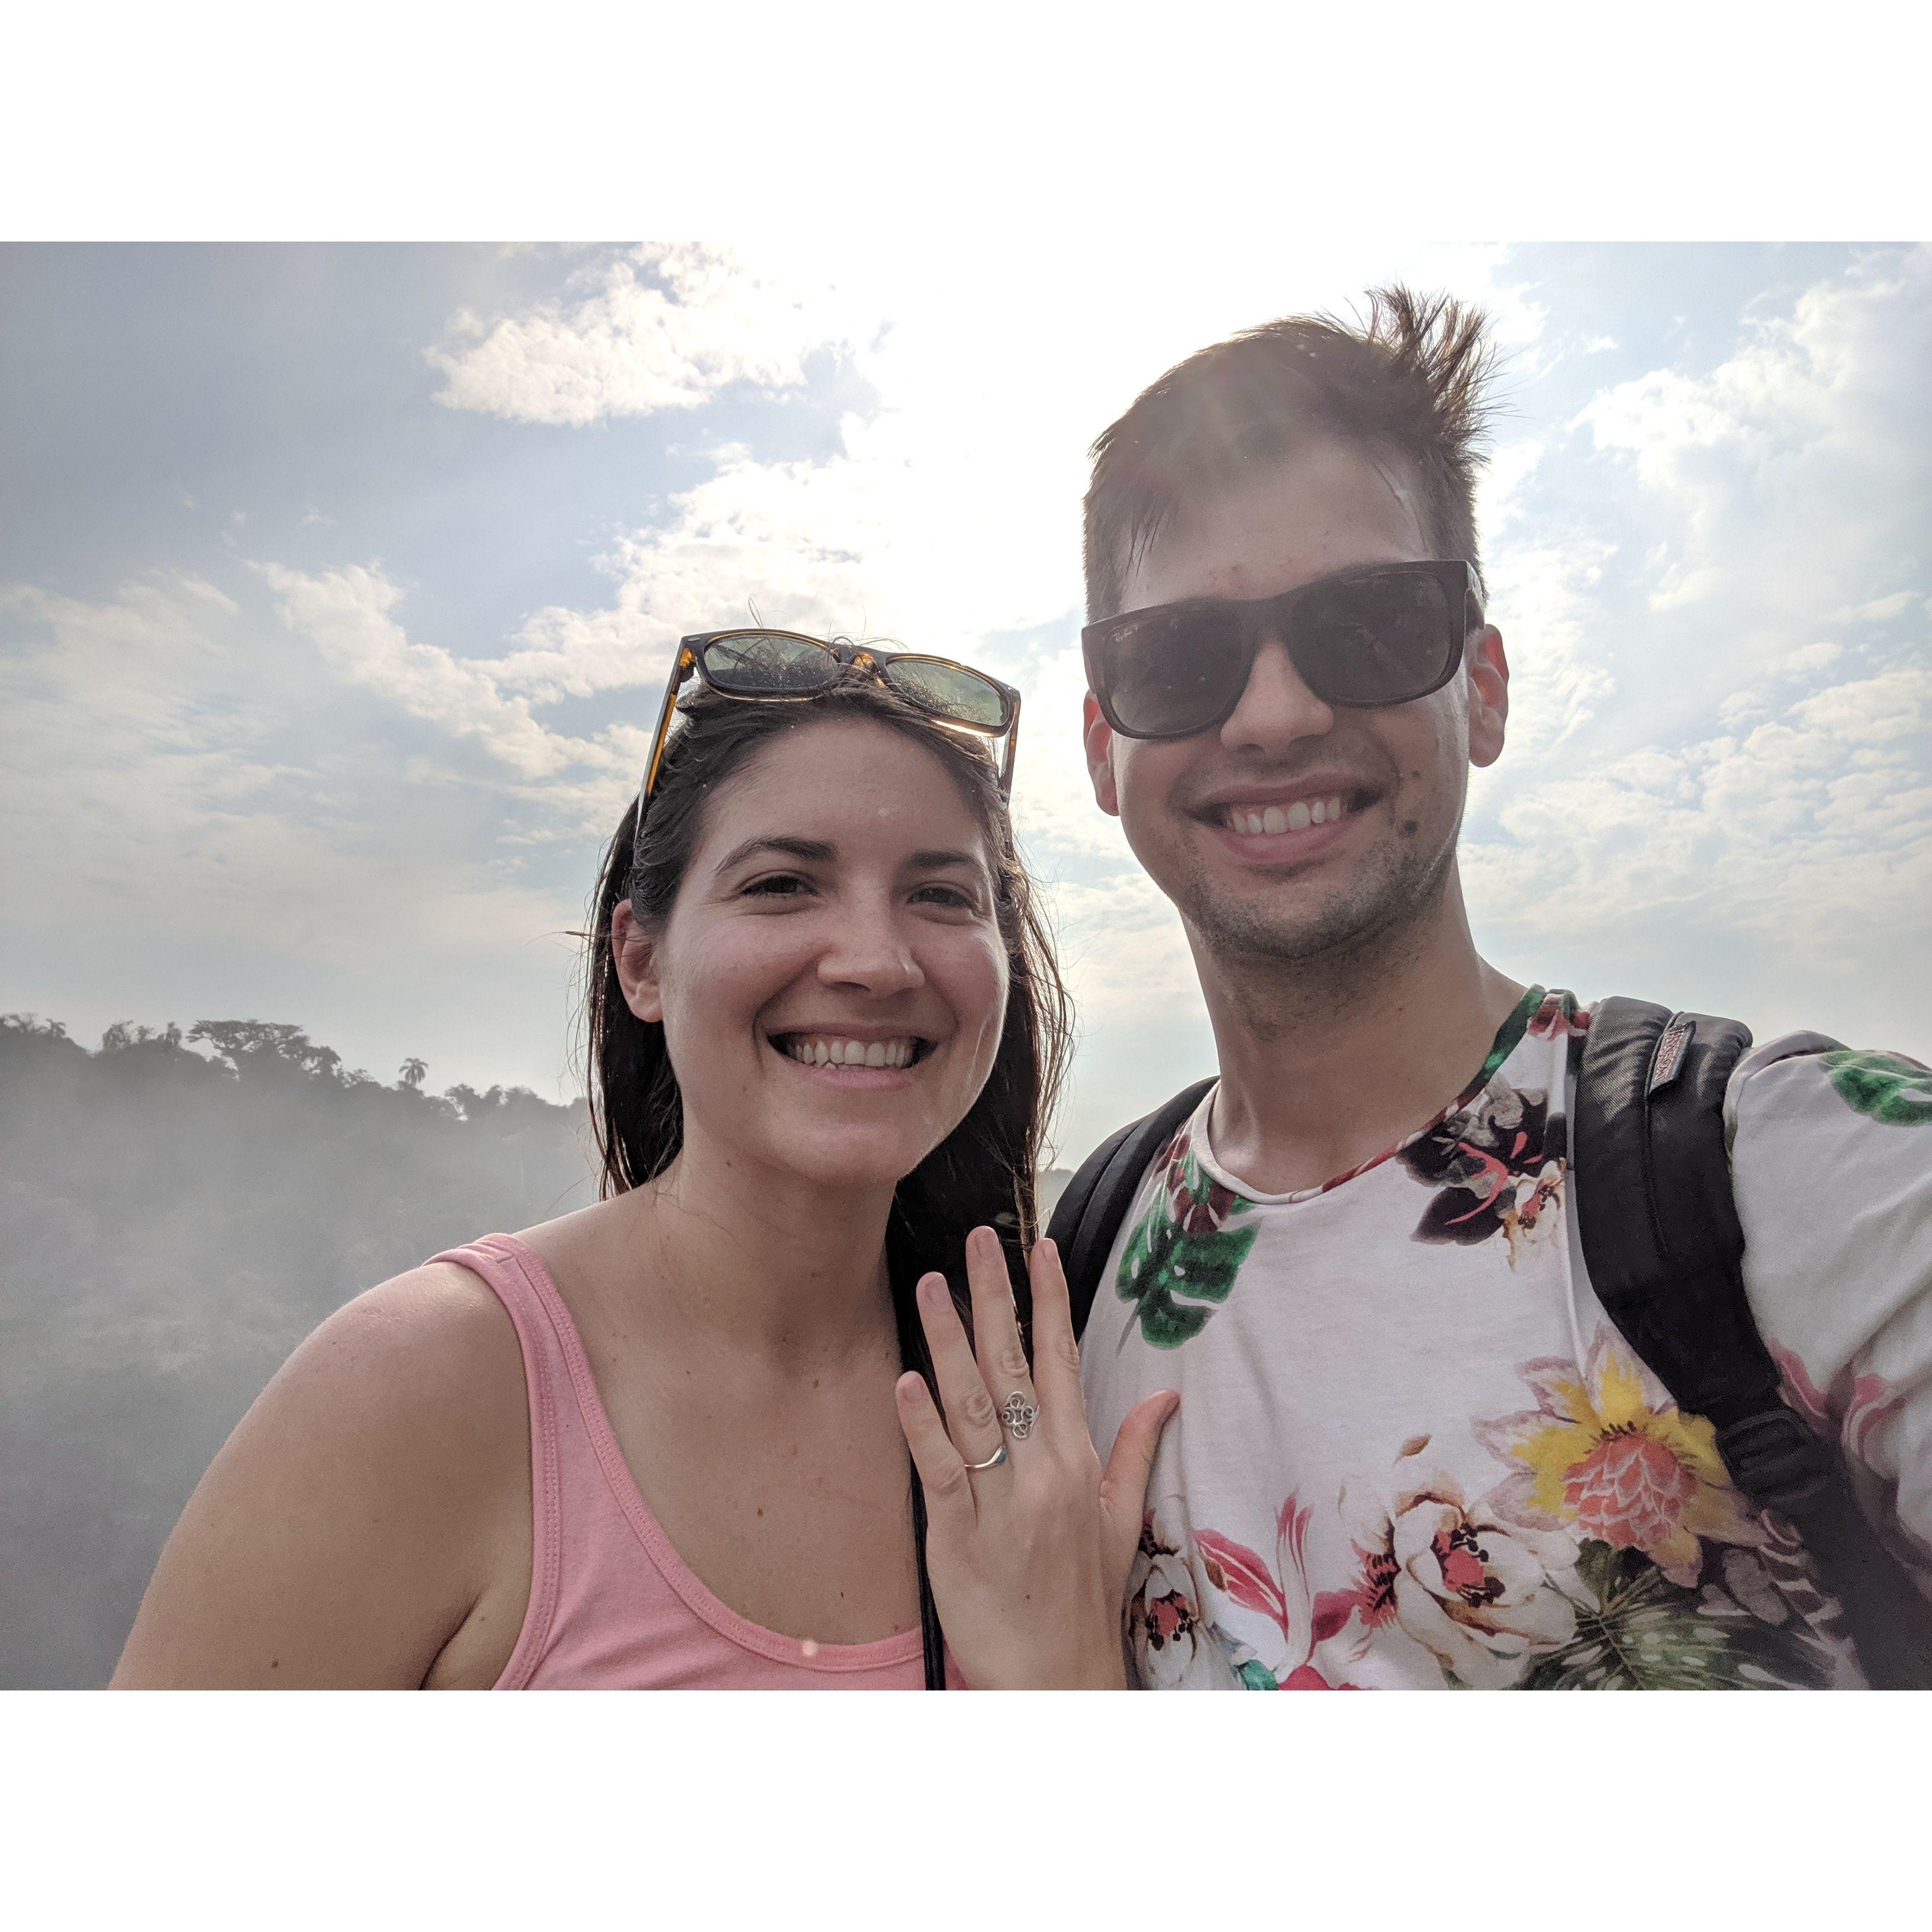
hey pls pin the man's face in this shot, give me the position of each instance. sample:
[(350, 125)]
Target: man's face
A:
[(1191, 807)]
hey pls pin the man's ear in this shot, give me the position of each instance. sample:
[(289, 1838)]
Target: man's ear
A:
[(636, 955), (1099, 737), (1488, 695)]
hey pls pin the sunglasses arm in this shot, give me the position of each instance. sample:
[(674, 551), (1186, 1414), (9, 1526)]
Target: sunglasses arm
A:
[(682, 666), (1012, 742)]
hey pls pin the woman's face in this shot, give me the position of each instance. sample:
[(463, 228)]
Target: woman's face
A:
[(831, 978)]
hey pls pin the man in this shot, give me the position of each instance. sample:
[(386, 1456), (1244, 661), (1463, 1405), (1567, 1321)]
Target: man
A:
[(1412, 1448)]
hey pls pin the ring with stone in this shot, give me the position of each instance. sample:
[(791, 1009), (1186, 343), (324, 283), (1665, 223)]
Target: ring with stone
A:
[(992, 1462)]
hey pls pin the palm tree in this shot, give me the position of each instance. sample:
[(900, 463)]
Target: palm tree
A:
[(411, 1073)]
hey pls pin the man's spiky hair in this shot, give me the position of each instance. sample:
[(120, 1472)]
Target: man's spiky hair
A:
[(1411, 384)]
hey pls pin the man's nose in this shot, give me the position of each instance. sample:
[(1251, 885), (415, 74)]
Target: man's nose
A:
[(870, 951), (1277, 709)]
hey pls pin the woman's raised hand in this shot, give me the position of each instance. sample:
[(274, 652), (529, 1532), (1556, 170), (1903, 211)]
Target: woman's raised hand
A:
[(1028, 1558)]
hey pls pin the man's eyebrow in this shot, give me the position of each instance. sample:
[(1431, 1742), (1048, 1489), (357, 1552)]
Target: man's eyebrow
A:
[(815, 851)]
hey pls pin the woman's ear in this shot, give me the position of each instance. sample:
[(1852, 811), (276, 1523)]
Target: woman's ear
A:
[(636, 955)]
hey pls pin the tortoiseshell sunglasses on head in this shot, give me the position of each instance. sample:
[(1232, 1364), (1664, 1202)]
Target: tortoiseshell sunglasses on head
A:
[(774, 667)]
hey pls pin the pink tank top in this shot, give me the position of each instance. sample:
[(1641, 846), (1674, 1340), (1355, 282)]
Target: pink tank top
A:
[(612, 1606)]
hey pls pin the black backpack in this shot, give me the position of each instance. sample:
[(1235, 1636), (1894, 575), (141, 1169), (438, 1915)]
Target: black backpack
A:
[(1665, 1255)]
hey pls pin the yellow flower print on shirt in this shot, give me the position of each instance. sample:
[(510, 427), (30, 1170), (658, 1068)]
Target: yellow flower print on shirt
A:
[(1598, 1456)]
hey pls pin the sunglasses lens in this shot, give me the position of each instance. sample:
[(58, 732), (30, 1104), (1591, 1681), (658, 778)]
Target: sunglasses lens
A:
[(1172, 672), (768, 664), (951, 691), (1378, 640)]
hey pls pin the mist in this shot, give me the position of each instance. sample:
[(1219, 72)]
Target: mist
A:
[(179, 1211)]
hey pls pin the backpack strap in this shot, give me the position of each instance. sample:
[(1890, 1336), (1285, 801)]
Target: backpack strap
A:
[(1654, 1203), (1088, 1214), (1665, 1253)]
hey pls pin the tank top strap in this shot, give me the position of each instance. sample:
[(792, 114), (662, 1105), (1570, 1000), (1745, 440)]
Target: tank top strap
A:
[(542, 1324)]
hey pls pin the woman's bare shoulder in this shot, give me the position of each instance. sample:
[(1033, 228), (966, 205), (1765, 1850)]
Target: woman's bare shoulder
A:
[(428, 1360), (434, 1333), (355, 1516)]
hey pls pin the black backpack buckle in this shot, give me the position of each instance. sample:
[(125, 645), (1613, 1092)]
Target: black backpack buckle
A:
[(1778, 1461)]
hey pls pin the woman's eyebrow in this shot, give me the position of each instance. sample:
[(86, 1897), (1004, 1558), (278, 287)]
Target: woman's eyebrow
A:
[(927, 861), (814, 851)]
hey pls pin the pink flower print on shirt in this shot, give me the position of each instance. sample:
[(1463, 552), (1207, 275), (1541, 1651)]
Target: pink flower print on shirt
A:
[(1853, 1410), (1850, 1409), (1560, 1018), (1172, 1645), (1323, 1638), (1484, 1596), (1631, 1490), (1598, 1455), (1559, 1014)]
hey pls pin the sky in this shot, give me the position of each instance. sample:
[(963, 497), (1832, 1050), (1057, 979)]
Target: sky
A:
[(337, 585)]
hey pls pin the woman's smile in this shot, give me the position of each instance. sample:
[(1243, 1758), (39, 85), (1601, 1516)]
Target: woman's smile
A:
[(844, 1050)]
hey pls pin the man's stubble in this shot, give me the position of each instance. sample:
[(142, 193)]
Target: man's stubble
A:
[(1286, 963)]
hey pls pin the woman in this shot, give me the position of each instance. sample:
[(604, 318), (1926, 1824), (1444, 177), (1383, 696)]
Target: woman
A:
[(664, 1441)]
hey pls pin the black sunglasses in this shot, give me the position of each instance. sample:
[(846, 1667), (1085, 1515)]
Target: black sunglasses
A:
[(772, 667), (1379, 634)]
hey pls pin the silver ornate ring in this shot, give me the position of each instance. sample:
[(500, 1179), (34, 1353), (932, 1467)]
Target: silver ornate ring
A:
[(1019, 1415), (992, 1462)]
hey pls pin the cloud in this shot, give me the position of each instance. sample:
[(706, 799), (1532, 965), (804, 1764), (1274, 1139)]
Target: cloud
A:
[(1810, 831), (346, 614), (205, 817), (663, 327), (1728, 744), (1880, 609), (1800, 460)]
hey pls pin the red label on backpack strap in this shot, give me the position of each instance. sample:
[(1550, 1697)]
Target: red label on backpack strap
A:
[(1669, 1054)]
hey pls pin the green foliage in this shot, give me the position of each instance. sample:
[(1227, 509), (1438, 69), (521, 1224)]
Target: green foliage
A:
[(176, 1221), (1887, 1086), (1639, 1631), (1162, 1263)]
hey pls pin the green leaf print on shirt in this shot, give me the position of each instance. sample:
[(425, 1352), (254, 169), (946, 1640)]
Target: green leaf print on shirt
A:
[(1642, 1632), (1183, 1247), (1891, 1088)]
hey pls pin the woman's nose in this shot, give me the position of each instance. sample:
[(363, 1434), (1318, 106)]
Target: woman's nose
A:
[(869, 950), (1277, 709)]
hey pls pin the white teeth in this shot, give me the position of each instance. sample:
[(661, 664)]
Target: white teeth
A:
[(1275, 818), (851, 1052)]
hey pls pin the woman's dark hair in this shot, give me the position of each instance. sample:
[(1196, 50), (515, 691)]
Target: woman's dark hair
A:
[(983, 1172)]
